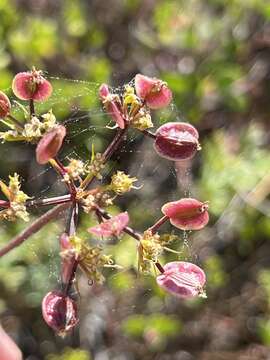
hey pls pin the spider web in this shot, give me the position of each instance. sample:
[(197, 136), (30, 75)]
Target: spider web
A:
[(75, 104)]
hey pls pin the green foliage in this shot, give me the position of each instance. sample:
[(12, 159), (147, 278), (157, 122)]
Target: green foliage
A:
[(70, 354), (156, 329), (216, 276)]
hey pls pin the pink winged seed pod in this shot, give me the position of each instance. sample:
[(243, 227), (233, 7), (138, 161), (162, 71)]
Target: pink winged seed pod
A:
[(187, 213), (154, 92), (31, 85), (112, 227), (182, 279), (177, 141)]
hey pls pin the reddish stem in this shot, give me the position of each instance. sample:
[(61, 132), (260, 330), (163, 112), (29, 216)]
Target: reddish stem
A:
[(154, 228), (160, 267), (31, 108), (114, 144), (112, 147), (49, 201), (149, 134), (70, 184)]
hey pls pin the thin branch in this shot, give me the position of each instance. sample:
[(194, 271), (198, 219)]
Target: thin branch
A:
[(31, 108), (114, 144), (154, 228), (16, 122), (49, 201), (112, 147), (149, 134), (33, 228), (72, 221)]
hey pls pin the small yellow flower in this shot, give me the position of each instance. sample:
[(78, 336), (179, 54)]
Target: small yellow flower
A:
[(91, 259), (151, 246), (75, 170), (96, 165), (130, 98), (121, 183), (142, 120)]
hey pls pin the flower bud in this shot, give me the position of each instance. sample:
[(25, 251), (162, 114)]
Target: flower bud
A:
[(59, 312), (5, 105), (31, 85), (50, 144), (112, 105), (182, 279), (187, 214), (122, 183), (112, 227), (176, 141), (153, 91)]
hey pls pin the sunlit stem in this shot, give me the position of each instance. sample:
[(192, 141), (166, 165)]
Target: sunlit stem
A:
[(49, 201), (87, 181), (71, 226), (17, 124)]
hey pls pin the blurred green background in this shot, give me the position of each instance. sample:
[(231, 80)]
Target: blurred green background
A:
[(215, 56)]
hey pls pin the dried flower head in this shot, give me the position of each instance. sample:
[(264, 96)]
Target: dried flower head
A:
[(177, 141), (31, 85), (59, 312), (182, 279), (187, 213)]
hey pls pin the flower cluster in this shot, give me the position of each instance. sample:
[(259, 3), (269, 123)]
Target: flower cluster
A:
[(15, 207), (89, 258), (132, 109), (176, 141)]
